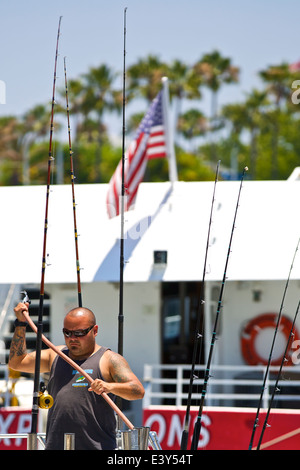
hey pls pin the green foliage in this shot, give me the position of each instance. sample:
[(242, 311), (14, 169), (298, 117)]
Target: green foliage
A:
[(95, 164), (260, 132)]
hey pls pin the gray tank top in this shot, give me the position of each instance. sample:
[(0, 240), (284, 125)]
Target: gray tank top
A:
[(76, 410)]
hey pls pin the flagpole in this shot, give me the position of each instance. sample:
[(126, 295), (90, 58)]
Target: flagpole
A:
[(173, 176)]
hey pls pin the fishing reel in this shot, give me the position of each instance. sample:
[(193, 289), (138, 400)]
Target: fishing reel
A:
[(45, 401)]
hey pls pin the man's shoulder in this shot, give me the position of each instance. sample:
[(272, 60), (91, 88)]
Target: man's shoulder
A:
[(109, 354), (107, 361)]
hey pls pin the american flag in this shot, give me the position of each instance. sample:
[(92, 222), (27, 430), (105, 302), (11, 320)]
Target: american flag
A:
[(149, 143)]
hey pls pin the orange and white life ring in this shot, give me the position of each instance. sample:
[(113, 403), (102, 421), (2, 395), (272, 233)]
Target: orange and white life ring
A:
[(254, 327)]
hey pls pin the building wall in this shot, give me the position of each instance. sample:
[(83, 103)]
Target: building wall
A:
[(239, 306), (142, 315)]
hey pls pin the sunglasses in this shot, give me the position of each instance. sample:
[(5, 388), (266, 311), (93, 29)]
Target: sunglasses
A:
[(76, 333)]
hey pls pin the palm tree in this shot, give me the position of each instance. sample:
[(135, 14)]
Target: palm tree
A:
[(278, 80), (35, 124), (184, 83), (215, 71), (250, 116), (91, 97), (99, 95), (10, 155), (192, 124), (145, 78), (75, 98)]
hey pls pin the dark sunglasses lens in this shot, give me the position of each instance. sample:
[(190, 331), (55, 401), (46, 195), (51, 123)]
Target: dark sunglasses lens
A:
[(80, 333), (76, 333)]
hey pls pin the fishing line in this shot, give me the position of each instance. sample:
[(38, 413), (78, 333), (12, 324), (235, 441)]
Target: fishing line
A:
[(42, 286), (198, 336), (276, 388), (197, 427), (73, 192), (255, 425)]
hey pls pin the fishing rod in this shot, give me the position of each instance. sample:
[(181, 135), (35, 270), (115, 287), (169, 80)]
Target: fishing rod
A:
[(255, 424), (73, 191), (197, 427), (76, 366), (42, 287), (276, 388), (198, 336), (121, 292), (122, 209)]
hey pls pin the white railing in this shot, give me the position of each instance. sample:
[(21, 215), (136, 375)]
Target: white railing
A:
[(40, 438), (20, 387), (227, 386)]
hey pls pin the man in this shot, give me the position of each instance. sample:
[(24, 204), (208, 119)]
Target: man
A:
[(78, 406)]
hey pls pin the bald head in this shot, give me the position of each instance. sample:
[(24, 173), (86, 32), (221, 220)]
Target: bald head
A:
[(82, 312), (81, 345)]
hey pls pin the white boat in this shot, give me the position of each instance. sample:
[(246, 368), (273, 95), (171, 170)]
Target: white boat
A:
[(165, 247)]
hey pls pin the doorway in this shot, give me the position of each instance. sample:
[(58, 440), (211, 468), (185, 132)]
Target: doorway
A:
[(180, 308)]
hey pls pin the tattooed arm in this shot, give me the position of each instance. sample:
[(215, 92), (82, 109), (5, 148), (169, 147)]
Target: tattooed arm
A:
[(119, 378), (19, 358)]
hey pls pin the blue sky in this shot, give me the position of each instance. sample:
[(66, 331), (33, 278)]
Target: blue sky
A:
[(254, 34)]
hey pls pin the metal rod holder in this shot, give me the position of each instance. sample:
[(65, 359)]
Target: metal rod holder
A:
[(69, 441), (32, 441), (135, 439), (153, 440)]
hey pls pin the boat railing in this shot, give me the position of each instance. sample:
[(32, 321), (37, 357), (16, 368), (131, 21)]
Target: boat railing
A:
[(228, 385), (40, 437)]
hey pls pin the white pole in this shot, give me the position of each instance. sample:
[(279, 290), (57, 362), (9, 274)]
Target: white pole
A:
[(169, 138)]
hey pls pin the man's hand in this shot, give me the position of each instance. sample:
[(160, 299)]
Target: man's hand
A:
[(99, 386), (19, 309)]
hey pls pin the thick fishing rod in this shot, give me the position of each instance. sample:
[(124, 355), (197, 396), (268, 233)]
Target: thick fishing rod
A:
[(276, 388), (197, 427), (42, 287), (255, 424), (73, 191), (121, 291), (198, 335)]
